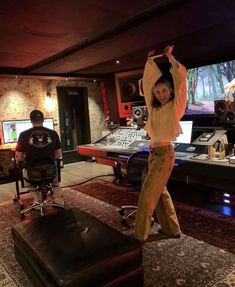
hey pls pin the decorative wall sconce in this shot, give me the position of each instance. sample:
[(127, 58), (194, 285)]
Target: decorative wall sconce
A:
[(48, 94), (49, 102)]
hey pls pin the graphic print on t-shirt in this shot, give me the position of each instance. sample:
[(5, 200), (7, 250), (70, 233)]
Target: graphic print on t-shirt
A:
[(40, 138)]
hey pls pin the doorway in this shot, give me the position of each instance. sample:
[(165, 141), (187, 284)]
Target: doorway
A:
[(74, 121)]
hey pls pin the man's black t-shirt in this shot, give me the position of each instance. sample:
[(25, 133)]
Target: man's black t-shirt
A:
[(38, 142)]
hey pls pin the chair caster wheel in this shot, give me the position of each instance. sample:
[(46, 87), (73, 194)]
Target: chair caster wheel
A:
[(121, 212), (123, 222), (21, 207)]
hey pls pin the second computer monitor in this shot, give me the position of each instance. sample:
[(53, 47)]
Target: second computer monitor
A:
[(186, 136)]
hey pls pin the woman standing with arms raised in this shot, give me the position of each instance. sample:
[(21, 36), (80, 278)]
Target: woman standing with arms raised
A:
[(166, 103)]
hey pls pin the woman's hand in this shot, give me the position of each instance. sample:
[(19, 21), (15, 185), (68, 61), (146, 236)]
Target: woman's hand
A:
[(168, 50), (151, 53)]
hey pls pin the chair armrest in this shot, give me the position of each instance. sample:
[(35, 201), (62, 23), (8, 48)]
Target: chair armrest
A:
[(21, 164), (58, 162)]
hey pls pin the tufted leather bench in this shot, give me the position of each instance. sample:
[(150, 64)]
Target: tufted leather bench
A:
[(72, 248)]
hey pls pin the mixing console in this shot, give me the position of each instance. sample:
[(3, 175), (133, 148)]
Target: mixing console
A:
[(121, 137), (191, 160)]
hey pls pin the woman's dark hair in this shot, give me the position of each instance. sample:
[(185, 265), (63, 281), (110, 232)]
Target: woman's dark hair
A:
[(155, 102)]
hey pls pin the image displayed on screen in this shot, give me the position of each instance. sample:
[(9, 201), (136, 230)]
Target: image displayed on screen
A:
[(206, 84), (12, 129), (186, 136)]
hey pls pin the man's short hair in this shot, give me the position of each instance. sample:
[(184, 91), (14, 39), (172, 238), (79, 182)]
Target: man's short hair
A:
[(36, 116)]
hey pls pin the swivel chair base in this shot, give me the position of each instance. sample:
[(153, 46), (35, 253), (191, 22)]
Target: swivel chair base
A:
[(128, 213), (40, 206)]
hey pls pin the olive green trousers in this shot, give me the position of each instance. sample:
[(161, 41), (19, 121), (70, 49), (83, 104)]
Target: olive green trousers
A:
[(154, 195)]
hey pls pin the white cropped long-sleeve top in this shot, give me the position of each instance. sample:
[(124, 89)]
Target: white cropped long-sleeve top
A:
[(163, 122)]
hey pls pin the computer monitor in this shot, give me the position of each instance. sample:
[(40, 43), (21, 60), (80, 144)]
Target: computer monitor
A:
[(186, 136), (11, 129)]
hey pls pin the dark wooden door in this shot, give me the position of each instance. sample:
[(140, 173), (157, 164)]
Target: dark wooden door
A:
[(74, 121)]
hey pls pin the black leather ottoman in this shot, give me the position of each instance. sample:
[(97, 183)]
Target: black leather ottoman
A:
[(71, 248)]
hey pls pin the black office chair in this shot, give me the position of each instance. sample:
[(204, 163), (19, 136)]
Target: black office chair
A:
[(137, 168), (41, 173)]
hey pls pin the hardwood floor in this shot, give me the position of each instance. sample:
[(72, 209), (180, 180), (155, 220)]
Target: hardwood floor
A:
[(71, 174), (75, 173)]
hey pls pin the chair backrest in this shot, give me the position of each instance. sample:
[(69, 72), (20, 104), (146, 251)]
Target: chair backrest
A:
[(41, 170), (137, 167)]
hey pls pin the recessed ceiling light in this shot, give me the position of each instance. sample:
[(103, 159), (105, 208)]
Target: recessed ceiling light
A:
[(117, 62)]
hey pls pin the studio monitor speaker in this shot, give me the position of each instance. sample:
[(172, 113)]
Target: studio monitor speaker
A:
[(129, 91), (140, 115), (224, 112)]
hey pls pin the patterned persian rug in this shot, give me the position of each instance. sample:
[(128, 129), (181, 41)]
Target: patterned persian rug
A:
[(202, 257), (5, 279)]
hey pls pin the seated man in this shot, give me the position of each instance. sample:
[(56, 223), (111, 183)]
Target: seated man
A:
[(38, 142)]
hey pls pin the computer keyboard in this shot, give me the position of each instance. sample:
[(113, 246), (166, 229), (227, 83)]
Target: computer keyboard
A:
[(190, 148), (181, 154)]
